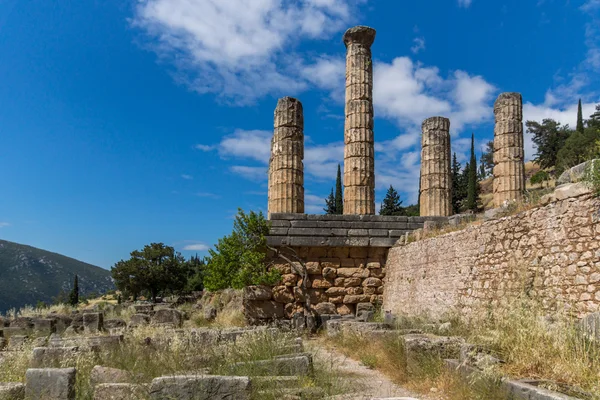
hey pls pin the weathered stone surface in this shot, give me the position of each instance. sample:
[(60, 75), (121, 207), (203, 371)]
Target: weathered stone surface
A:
[(100, 374), (46, 356), (119, 391), (590, 325), (509, 167), (577, 173), (16, 342), (283, 294), (207, 387), (12, 391), (359, 165), (482, 265), (139, 320), (50, 383), (345, 309), (93, 322), (372, 282), (325, 308), (143, 308), (115, 323), (436, 179), (569, 190), (286, 169), (168, 316), (354, 299), (210, 313), (257, 293), (423, 345), (329, 273), (264, 309), (44, 326)]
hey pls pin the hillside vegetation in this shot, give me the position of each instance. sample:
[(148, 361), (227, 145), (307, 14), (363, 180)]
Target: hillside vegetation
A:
[(29, 275)]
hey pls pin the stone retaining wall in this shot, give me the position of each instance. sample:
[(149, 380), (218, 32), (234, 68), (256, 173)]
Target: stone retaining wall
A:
[(551, 252)]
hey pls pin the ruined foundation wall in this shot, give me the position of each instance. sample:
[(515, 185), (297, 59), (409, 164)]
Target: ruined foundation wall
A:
[(553, 251)]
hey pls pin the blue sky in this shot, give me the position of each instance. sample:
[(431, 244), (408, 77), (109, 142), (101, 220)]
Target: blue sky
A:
[(127, 122)]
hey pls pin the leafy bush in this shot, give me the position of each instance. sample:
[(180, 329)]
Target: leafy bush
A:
[(592, 176), (539, 177), (238, 260)]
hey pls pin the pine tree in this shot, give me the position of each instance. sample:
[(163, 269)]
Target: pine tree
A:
[(579, 128), (472, 183), (339, 201), (330, 204), (487, 157), (457, 188), (392, 205), (74, 295)]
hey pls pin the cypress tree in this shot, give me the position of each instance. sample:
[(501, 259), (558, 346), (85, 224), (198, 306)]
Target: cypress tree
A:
[(472, 183), (392, 205), (330, 204), (339, 201), (74, 295), (457, 190), (579, 128)]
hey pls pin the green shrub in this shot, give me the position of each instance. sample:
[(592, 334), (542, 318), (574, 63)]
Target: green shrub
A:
[(238, 260)]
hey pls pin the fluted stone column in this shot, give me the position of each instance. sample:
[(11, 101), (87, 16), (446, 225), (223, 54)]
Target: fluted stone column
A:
[(436, 177), (359, 160), (509, 155), (286, 169)]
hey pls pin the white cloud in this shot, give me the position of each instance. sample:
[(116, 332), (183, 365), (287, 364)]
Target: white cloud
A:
[(409, 92), (187, 177), (196, 247), (254, 144), (239, 49), (4, 224), (419, 44), (208, 194), (204, 147), (464, 3), (253, 173)]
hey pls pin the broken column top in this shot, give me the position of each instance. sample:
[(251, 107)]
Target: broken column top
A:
[(508, 96), (441, 122), (289, 112), (360, 34)]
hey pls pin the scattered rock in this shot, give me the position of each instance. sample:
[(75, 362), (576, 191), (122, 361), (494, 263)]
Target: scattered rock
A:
[(571, 190), (257, 293), (119, 391), (93, 322), (12, 391), (115, 323), (576, 173), (168, 316), (50, 384), (206, 387), (139, 320), (210, 313)]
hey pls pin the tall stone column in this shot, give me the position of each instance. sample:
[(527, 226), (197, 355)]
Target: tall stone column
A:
[(509, 155), (286, 169), (435, 197), (359, 160)]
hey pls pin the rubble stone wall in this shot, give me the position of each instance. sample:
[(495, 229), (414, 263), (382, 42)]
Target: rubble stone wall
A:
[(551, 252)]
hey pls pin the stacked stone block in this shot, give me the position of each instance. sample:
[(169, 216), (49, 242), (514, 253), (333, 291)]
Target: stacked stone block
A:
[(359, 164), (339, 278), (436, 178), (286, 169), (509, 155)]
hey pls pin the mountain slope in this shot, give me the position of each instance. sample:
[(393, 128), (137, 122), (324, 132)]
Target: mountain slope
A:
[(29, 275)]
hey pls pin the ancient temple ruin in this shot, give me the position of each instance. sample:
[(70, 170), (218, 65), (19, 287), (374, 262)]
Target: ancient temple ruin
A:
[(435, 197), (359, 152), (509, 155), (342, 258)]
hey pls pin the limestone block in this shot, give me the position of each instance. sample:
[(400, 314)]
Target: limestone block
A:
[(196, 387), (354, 299), (115, 323), (283, 294), (436, 181), (577, 173), (345, 309), (46, 356), (119, 391), (571, 190), (44, 326), (321, 283), (329, 273), (257, 293), (100, 374), (372, 282), (263, 309), (50, 384), (139, 320), (143, 308), (325, 308), (168, 316), (93, 322), (12, 391)]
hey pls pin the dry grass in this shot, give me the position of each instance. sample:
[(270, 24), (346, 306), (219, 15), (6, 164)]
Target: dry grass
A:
[(426, 375)]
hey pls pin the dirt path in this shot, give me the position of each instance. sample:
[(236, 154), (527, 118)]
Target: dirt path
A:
[(370, 383)]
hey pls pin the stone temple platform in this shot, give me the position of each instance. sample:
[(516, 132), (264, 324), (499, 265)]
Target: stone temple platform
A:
[(305, 230)]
